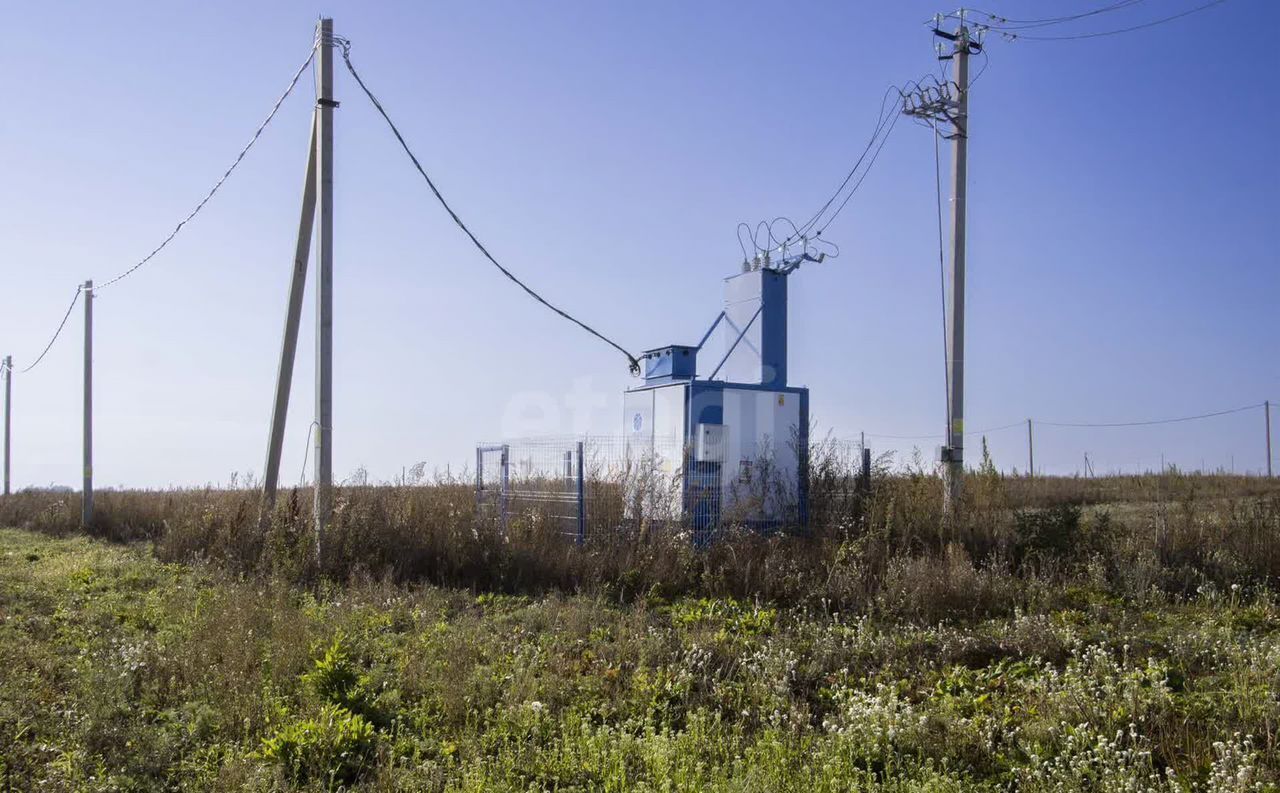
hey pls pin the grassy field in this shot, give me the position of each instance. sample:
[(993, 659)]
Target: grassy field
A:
[(1033, 645)]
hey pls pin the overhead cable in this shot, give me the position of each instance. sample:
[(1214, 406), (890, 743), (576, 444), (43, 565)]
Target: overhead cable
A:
[(56, 333), (254, 139), (1005, 23), (632, 361), (1081, 425), (1153, 421), (1016, 36)]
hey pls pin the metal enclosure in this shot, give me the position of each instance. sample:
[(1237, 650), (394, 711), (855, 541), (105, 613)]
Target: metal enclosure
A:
[(761, 356), (743, 429)]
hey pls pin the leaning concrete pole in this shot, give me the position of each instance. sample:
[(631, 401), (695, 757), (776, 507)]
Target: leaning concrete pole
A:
[(293, 318), (324, 283)]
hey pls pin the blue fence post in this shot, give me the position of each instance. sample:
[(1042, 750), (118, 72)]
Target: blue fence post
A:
[(582, 501)]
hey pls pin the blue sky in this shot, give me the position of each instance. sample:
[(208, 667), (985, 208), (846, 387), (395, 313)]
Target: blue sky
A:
[(1124, 197)]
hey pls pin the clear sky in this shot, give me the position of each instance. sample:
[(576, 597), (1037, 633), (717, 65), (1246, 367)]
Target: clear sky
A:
[(1124, 203)]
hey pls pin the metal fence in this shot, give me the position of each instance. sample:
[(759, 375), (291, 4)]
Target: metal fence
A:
[(582, 487), (579, 487)]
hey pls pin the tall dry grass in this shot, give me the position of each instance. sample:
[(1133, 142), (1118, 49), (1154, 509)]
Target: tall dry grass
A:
[(865, 547)]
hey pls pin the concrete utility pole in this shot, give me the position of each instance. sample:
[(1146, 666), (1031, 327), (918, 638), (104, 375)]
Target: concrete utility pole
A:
[(949, 103), (1031, 452), (955, 317), (8, 410), (317, 190), (324, 283), (1266, 409), (86, 501)]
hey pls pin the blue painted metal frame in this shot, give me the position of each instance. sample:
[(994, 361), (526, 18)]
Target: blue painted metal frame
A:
[(734, 346), (710, 330)]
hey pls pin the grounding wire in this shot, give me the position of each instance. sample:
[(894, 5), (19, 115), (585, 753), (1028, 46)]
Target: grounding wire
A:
[(1015, 36), (942, 266), (345, 45), (56, 333), (239, 157), (306, 453)]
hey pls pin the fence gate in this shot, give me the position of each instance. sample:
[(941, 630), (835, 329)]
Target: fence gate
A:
[(541, 486)]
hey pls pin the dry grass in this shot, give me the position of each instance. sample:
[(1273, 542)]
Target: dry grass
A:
[(863, 549)]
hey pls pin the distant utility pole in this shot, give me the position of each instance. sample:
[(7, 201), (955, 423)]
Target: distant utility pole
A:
[(1031, 452), (950, 104), (8, 406), (86, 501), (317, 190), (1266, 408)]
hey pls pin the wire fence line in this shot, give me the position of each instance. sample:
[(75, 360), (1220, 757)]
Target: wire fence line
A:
[(1082, 425)]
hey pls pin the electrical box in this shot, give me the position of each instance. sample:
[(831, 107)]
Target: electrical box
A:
[(672, 362), (709, 445), (738, 440)]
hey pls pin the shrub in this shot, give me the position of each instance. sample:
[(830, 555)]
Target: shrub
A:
[(336, 747), (1052, 533)]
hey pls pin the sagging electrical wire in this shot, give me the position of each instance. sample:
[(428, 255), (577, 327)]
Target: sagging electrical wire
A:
[(345, 46), (239, 157), (217, 185), (56, 333)]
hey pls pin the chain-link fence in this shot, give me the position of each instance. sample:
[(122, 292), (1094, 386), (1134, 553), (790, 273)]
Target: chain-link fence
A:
[(577, 487), (583, 487)]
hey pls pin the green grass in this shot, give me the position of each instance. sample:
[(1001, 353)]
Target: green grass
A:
[(121, 672)]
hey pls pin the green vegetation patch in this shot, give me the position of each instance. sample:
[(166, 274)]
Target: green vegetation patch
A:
[(120, 672)]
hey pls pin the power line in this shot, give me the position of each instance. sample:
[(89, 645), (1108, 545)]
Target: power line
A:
[(936, 436), (886, 119), (257, 133), (1080, 425), (1007, 24), (632, 361), (56, 333), (881, 119), (1153, 421), (1014, 36), (867, 170)]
